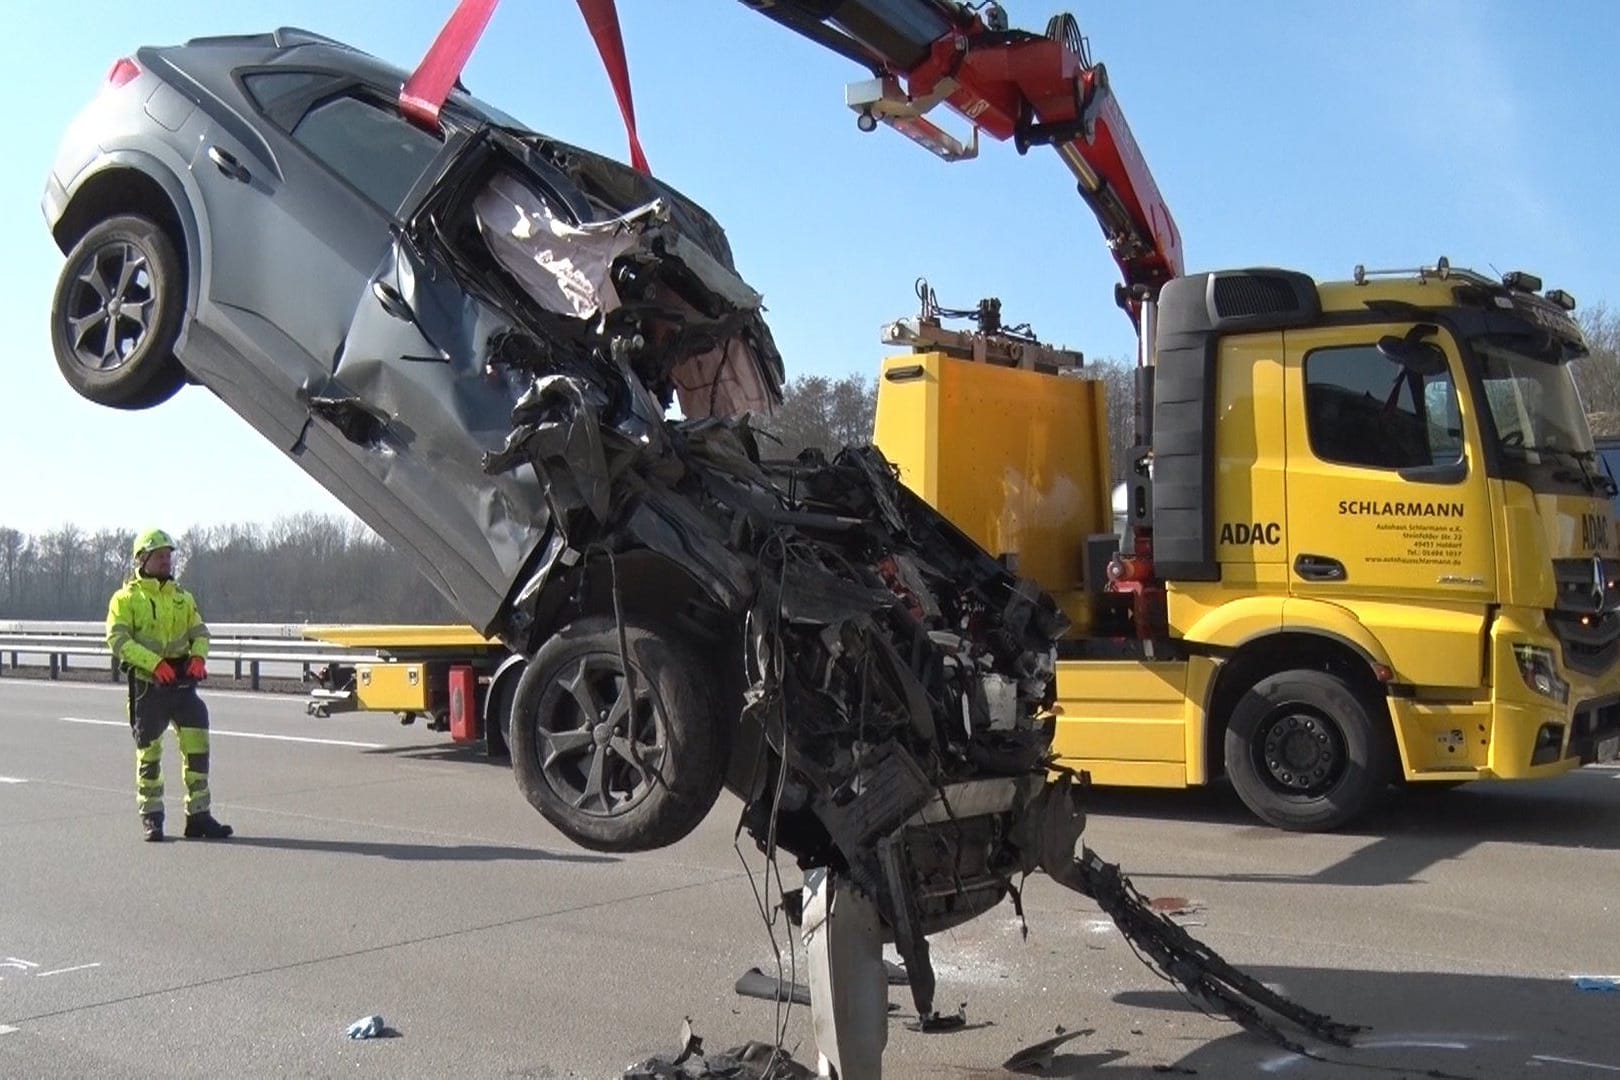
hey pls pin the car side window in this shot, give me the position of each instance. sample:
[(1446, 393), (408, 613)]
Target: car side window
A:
[(1364, 409), (373, 148)]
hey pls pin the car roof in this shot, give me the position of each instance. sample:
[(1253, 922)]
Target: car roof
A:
[(296, 47)]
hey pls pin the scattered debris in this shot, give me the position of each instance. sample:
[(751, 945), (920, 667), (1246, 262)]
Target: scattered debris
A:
[(691, 1045), (934, 1022), (755, 983), (1208, 979), (1175, 905), (371, 1027), (1176, 1070), (751, 1061), (1600, 984), (1040, 1056)]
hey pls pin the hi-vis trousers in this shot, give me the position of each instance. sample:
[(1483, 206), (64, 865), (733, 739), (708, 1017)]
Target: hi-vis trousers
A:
[(152, 708)]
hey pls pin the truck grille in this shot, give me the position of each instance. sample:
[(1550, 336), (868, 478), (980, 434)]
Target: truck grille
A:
[(1577, 586), (1587, 626)]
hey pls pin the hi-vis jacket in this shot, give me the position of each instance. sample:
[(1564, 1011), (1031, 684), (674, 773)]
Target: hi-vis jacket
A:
[(149, 621)]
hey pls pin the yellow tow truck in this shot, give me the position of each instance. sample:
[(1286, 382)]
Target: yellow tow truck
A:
[(1370, 538)]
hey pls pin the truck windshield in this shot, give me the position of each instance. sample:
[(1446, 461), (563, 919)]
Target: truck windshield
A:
[(1532, 398)]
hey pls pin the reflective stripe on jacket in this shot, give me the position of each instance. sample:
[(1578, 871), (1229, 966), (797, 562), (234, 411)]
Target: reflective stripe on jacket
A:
[(149, 621)]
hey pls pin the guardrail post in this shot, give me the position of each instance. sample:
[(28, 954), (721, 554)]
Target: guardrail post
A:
[(55, 669), (237, 664), (253, 674), (112, 665)]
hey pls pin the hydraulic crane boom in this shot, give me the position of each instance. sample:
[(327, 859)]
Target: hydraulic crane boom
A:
[(1037, 90)]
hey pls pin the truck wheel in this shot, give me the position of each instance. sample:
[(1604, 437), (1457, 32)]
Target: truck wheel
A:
[(116, 315), (612, 774), (1306, 751)]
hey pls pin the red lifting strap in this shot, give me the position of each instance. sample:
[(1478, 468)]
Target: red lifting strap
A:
[(424, 92), (602, 17)]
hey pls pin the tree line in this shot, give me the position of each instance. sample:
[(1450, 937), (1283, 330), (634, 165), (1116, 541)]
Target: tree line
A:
[(319, 568), (303, 568)]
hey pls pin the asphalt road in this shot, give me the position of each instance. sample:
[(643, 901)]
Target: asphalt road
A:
[(380, 869)]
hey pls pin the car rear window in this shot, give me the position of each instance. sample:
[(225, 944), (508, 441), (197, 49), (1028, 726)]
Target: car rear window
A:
[(371, 147)]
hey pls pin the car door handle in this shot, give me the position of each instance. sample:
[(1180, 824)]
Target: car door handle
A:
[(1319, 568), (226, 162), (392, 302)]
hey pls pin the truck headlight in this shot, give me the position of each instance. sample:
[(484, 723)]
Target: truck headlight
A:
[(1539, 667)]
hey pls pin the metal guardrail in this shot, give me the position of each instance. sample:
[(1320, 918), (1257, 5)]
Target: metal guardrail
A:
[(247, 646)]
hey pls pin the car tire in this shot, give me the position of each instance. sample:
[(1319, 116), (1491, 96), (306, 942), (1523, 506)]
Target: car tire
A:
[(1307, 751), (606, 787), (116, 315)]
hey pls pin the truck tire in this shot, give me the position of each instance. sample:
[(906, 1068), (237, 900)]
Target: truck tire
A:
[(576, 759), (1306, 751), (116, 315)]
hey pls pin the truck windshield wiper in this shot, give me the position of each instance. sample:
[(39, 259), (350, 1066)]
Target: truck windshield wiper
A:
[(1601, 480), (1589, 477)]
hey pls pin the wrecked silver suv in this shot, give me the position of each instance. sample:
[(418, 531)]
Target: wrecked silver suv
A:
[(475, 339)]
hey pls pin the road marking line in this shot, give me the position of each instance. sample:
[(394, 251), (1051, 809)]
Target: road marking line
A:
[(20, 960), (1575, 1061), (122, 690), (64, 971), (7, 1029), (12, 780), (242, 734)]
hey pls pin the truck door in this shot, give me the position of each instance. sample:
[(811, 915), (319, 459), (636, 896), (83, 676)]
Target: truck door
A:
[(1388, 504)]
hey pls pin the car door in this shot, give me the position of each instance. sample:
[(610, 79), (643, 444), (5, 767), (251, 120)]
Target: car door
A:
[(297, 221), (413, 405), (1388, 503)]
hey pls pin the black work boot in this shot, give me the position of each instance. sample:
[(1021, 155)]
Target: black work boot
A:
[(153, 825), (203, 827)]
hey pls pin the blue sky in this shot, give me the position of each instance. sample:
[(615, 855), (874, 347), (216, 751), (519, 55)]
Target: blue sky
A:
[(1308, 135)]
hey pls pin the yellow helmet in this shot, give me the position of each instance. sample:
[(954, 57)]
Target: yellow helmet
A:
[(150, 541)]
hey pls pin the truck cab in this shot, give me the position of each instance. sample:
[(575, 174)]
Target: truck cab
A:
[(1372, 539)]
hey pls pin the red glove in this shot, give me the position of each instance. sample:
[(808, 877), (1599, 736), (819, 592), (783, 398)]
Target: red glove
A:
[(196, 669), (164, 674)]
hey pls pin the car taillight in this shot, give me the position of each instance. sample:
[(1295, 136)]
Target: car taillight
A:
[(122, 71)]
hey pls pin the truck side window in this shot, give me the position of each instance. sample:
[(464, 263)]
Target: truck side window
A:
[(376, 150), (1364, 409)]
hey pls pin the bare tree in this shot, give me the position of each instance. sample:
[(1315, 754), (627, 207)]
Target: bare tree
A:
[(826, 414), (12, 543), (1598, 374), (62, 553), (1119, 381)]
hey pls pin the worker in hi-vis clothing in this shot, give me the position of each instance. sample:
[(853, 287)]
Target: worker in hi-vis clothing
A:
[(155, 632)]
